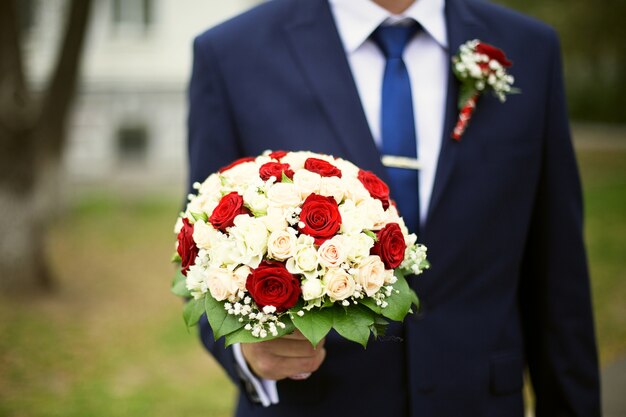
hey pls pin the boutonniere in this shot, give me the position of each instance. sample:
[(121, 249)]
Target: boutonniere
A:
[(479, 67)]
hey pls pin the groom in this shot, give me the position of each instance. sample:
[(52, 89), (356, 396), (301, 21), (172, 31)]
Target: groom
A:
[(499, 209)]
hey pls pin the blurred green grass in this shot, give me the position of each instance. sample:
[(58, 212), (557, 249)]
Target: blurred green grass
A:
[(111, 342)]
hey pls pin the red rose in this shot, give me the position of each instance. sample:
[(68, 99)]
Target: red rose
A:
[(276, 170), (321, 217), (493, 53), (187, 248), (277, 155), (272, 285), (375, 186), (390, 245), (319, 166), (229, 207), (235, 163)]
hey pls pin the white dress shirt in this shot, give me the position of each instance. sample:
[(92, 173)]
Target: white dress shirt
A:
[(426, 59)]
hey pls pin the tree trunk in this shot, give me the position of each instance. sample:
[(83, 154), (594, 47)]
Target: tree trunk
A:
[(32, 137)]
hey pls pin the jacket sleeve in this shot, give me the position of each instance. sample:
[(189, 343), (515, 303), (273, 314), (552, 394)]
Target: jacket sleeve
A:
[(555, 294), (211, 145)]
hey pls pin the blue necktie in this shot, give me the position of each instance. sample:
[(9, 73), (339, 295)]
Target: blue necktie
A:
[(397, 120)]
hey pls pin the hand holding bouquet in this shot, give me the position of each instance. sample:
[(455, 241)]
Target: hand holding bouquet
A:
[(294, 240)]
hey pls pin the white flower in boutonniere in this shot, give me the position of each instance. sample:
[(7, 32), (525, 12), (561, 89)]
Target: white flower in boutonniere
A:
[(479, 67)]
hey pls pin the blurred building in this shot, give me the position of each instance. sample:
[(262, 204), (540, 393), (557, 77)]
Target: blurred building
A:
[(128, 127)]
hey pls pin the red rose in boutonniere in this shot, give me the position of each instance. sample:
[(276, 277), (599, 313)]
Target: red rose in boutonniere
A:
[(479, 67)]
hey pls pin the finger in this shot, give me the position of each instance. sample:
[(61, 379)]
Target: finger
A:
[(269, 366), (287, 348), (288, 367), (296, 334)]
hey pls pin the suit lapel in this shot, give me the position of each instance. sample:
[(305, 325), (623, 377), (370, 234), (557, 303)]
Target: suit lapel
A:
[(317, 47), (461, 27)]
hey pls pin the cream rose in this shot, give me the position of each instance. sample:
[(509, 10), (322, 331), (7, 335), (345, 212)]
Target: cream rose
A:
[(338, 284), (222, 283), (241, 276), (371, 275), (333, 252), (282, 244)]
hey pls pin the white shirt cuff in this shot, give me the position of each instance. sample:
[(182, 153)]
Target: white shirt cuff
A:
[(265, 388)]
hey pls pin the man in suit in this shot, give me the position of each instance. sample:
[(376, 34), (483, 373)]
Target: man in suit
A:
[(499, 210)]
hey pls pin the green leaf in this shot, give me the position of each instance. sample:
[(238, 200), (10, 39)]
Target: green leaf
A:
[(200, 216), (315, 324), (179, 285), (371, 234), (467, 92), (221, 322), (353, 323), (371, 304), (245, 336), (176, 258), (193, 311), (399, 303), (285, 178), (379, 328)]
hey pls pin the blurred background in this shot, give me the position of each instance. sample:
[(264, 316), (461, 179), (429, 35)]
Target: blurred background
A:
[(92, 175)]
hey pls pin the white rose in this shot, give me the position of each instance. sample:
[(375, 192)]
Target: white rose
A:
[(355, 190), (250, 236), (332, 187), (372, 210), (222, 283), (353, 220), (282, 244), (179, 225), (283, 194), (244, 173), (305, 260), (197, 282), (295, 159), (348, 169), (275, 219), (204, 234), (339, 284), (223, 251), (200, 204), (257, 202), (333, 252), (211, 187), (306, 182), (371, 275), (360, 246), (312, 289)]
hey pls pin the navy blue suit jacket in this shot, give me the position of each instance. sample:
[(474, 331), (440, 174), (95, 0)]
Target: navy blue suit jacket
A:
[(508, 285)]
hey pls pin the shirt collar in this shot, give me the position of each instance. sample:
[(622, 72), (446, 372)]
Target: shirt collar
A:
[(357, 19)]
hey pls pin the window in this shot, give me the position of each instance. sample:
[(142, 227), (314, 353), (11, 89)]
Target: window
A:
[(132, 13), (132, 143)]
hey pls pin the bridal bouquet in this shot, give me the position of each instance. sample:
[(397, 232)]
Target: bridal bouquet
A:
[(294, 240)]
